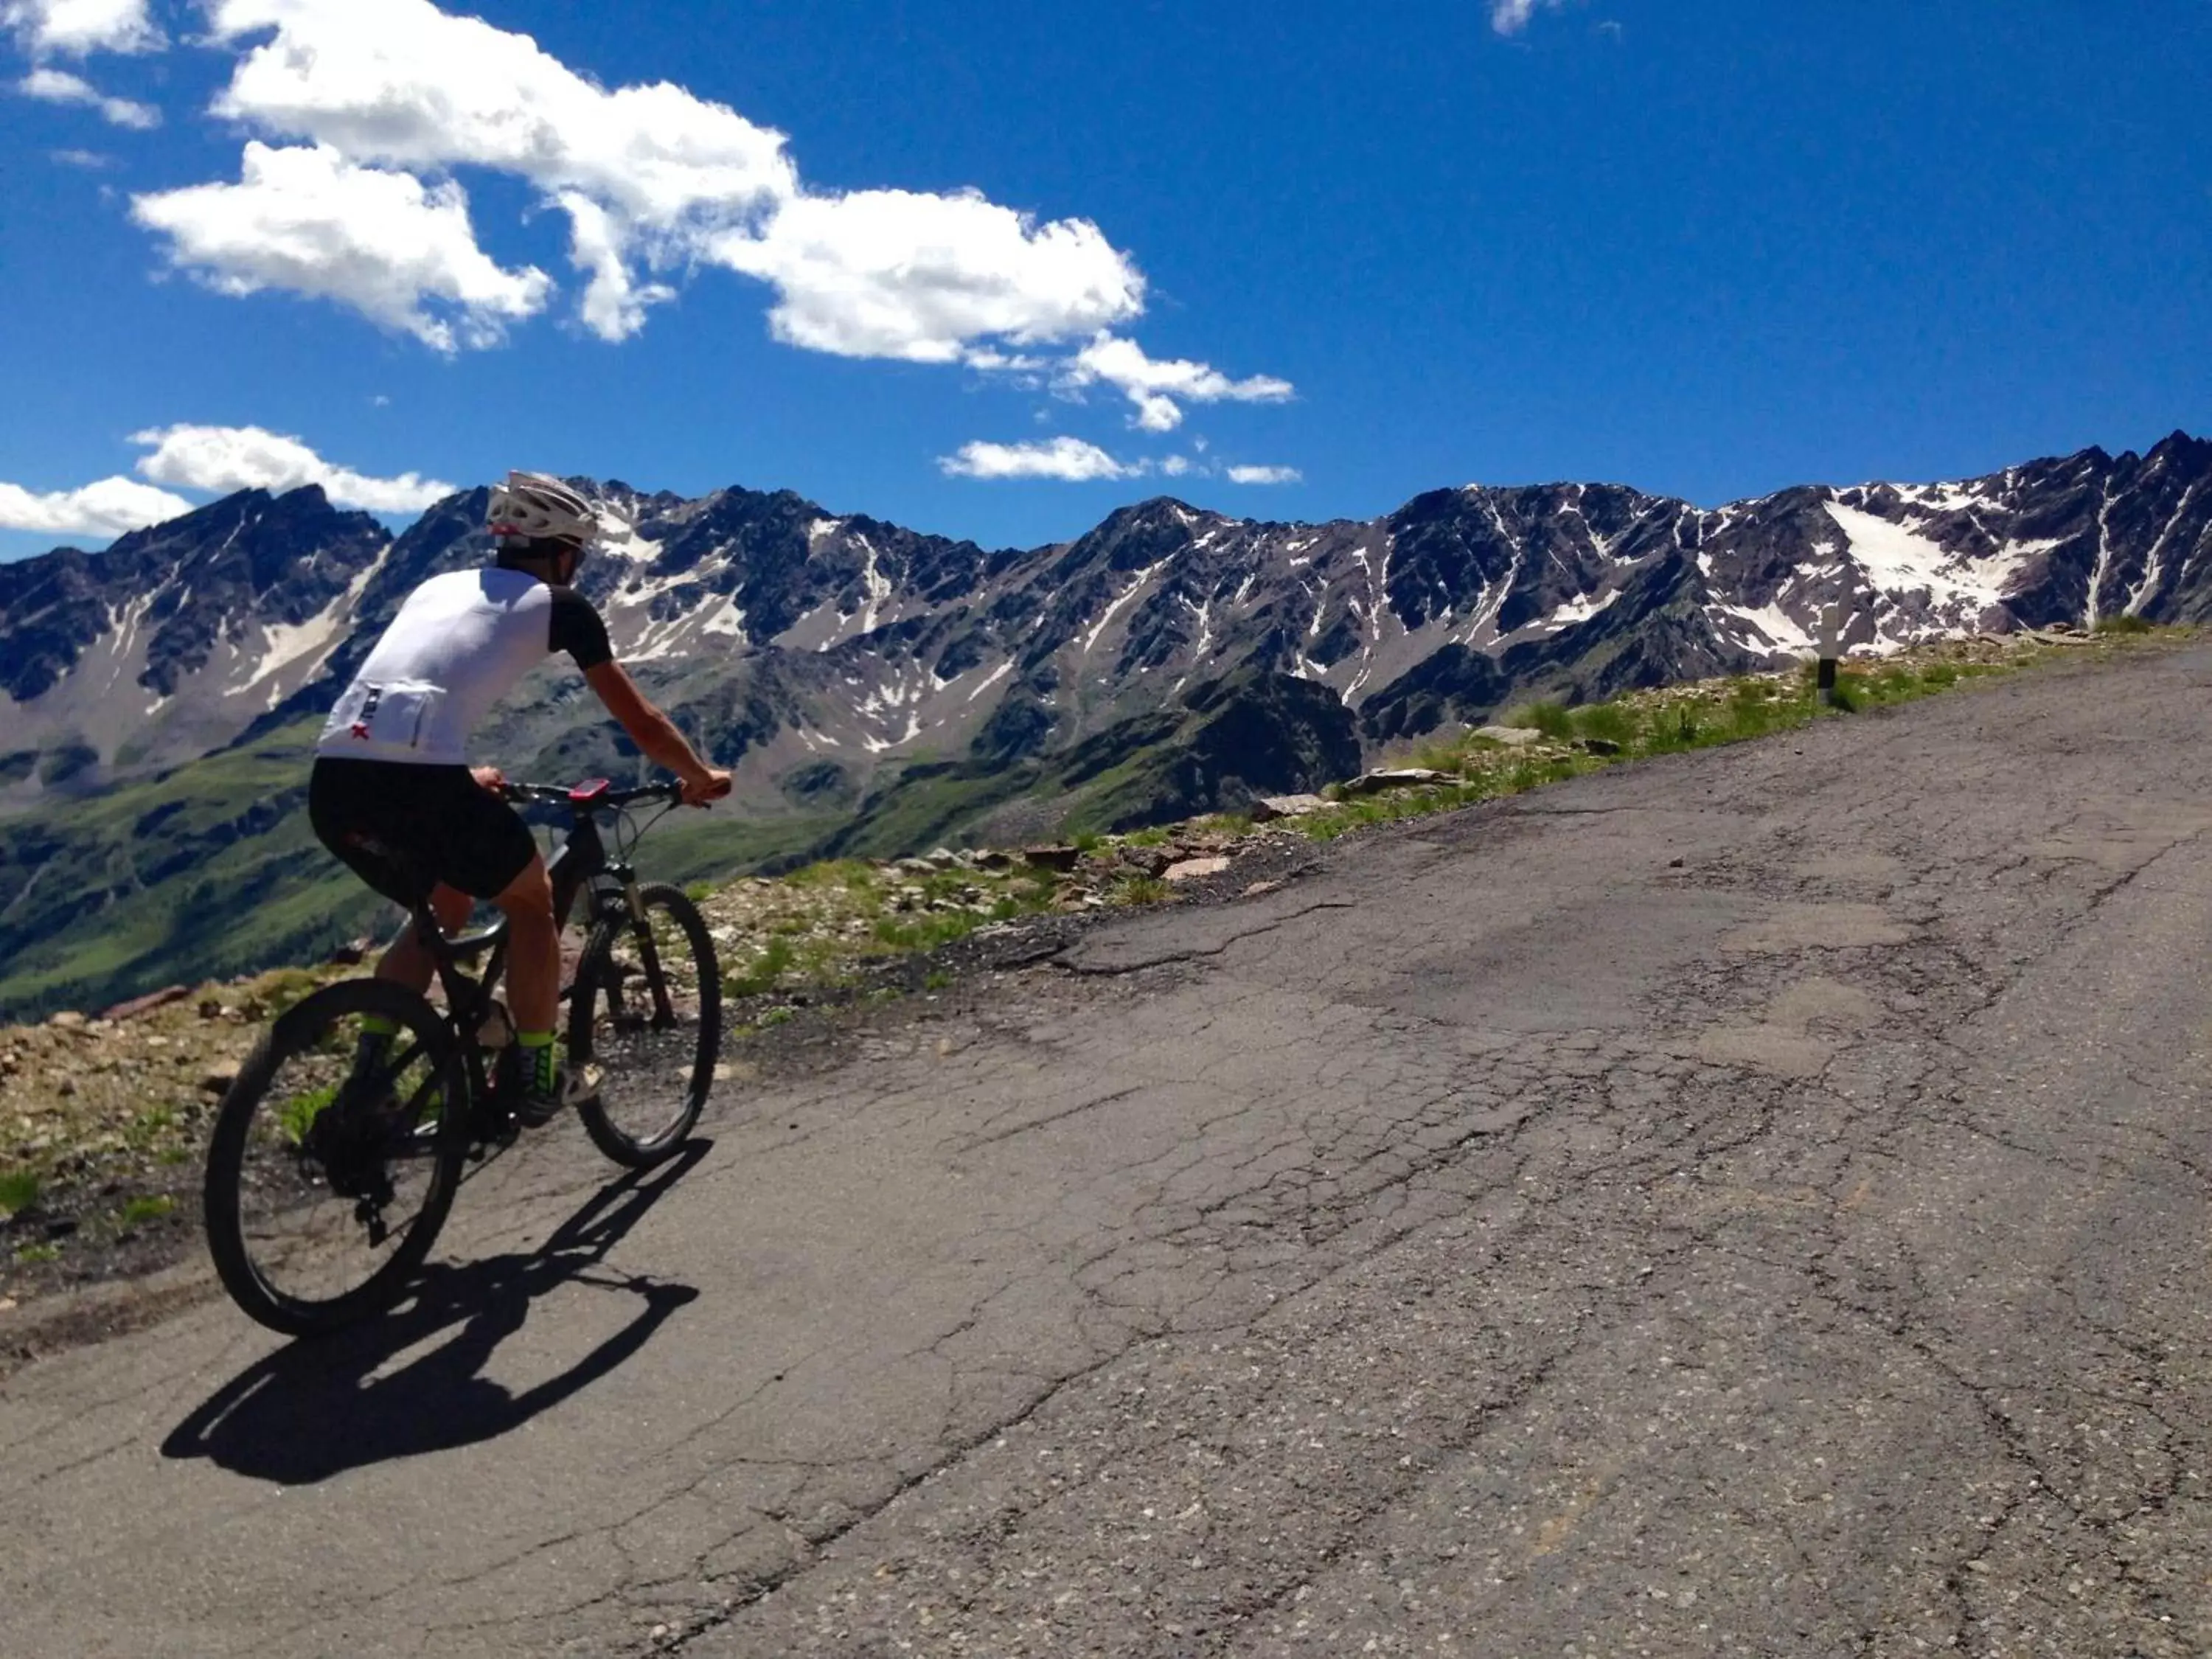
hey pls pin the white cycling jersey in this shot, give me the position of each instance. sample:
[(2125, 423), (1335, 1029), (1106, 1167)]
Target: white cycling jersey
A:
[(457, 646)]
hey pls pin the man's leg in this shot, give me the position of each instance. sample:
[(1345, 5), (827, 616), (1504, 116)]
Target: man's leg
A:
[(407, 961), (533, 983), (533, 949)]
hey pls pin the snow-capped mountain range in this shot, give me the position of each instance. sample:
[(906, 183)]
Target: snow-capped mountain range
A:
[(803, 644)]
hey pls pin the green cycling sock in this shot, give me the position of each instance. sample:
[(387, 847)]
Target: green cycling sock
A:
[(373, 1042), (537, 1048)]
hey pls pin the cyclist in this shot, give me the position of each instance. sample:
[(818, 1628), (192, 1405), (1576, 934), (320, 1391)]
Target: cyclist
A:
[(393, 794)]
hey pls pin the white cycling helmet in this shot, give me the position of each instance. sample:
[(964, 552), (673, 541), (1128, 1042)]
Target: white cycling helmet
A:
[(532, 505)]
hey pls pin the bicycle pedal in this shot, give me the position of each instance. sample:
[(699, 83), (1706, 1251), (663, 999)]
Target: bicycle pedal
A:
[(371, 1217), (495, 1132)]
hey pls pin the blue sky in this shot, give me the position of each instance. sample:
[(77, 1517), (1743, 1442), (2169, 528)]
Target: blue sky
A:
[(1287, 260)]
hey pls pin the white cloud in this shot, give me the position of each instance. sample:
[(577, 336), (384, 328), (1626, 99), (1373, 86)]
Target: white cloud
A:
[(1153, 387), (992, 360), (645, 172), (652, 176), (222, 459), (403, 82), (59, 87), (1067, 459), (1077, 462), (91, 160), (382, 242), (614, 304), (1511, 17), (363, 112), (894, 273), (108, 508), (81, 25)]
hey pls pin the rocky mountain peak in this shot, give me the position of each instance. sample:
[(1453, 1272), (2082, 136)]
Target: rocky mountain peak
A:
[(799, 639)]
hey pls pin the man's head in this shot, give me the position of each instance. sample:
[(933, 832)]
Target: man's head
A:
[(543, 526)]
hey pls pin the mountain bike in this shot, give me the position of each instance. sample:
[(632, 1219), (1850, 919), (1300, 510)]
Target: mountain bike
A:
[(332, 1167)]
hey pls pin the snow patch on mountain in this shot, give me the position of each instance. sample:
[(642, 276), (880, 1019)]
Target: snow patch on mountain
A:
[(1768, 628), (1577, 611)]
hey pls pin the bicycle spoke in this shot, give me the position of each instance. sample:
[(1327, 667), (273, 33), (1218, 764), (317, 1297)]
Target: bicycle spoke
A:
[(653, 1020), (339, 1165)]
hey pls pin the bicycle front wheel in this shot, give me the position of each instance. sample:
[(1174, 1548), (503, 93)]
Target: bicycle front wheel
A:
[(645, 1022), (327, 1181)]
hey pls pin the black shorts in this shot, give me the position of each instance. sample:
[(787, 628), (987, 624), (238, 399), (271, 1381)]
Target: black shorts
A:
[(401, 827)]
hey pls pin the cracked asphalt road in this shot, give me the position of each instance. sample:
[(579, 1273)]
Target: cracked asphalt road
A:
[(1753, 1203)]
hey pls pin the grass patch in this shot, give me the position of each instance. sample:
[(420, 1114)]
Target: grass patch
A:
[(769, 967), (297, 1115), (1401, 804), (850, 873), (149, 1128), (1607, 722), (2123, 623), (1551, 717), (1139, 890), (279, 990), (143, 1212), (927, 932), (1441, 755), (29, 1255), (19, 1191)]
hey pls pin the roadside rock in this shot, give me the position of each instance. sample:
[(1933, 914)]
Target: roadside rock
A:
[(1271, 807), (1513, 737), (1195, 869), (147, 1004), (1394, 777)]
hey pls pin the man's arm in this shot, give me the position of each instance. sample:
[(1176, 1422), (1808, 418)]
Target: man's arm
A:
[(655, 734)]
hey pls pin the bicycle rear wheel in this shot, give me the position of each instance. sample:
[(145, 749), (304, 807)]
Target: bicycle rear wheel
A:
[(646, 1017), (325, 1190)]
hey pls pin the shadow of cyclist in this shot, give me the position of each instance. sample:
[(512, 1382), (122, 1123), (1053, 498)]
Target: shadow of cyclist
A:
[(318, 1408)]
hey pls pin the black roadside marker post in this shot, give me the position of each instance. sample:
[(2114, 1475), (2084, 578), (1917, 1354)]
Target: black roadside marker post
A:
[(1832, 623)]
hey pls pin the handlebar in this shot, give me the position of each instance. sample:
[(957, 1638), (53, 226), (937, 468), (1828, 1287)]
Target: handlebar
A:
[(584, 800)]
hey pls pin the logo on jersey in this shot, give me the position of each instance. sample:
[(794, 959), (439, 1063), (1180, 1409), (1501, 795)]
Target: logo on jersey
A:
[(359, 728)]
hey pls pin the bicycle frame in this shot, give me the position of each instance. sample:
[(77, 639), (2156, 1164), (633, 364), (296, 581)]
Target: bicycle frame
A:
[(579, 867)]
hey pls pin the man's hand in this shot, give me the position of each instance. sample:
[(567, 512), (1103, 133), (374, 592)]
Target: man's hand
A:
[(489, 779), (704, 786)]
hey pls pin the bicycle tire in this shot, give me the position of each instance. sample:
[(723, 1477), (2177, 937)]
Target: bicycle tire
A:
[(597, 996), (293, 1035)]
